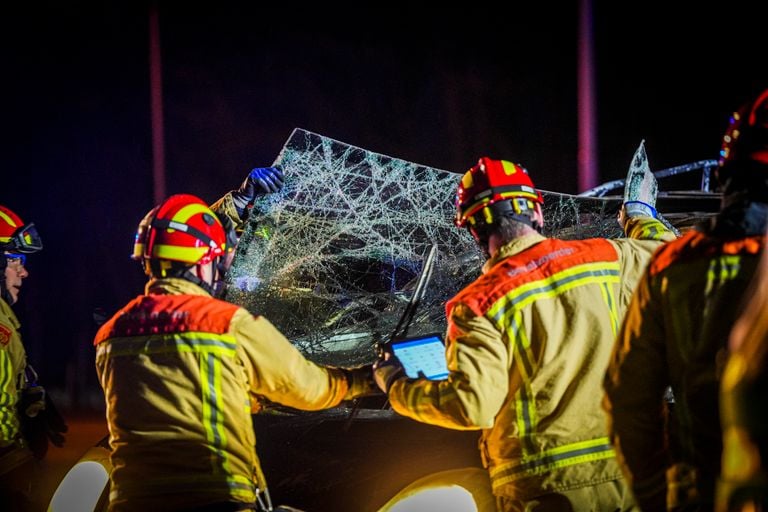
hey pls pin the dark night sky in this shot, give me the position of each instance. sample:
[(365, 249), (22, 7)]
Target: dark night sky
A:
[(439, 88)]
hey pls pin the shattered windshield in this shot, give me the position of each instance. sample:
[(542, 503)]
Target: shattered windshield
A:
[(332, 259)]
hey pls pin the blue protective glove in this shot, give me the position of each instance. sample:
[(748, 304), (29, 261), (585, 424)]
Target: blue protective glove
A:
[(260, 181), (639, 209), (635, 209)]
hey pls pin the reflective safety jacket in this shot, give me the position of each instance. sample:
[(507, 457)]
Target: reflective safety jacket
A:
[(182, 373), (527, 347), (675, 334), (744, 386), (13, 360)]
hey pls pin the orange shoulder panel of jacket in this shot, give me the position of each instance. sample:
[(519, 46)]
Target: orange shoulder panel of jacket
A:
[(696, 244), (544, 259), (148, 315)]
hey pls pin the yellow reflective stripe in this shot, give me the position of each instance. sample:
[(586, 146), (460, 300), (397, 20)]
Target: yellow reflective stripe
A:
[(210, 348), (722, 269), (509, 167), (8, 427), (202, 342), (525, 409), (10, 222), (519, 193), (610, 300), (551, 286), (475, 207), (531, 417), (205, 379), (600, 273), (422, 409), (138, 250), (242, 487), (650, 232), (562, 456), (184, 214), (234, 485), (581, 445), (647, 228), (213, 412), (218, 400), (521, 345), (174, 252)]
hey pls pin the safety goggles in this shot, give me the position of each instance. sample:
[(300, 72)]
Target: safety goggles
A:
[(12, 257), (25, 240)]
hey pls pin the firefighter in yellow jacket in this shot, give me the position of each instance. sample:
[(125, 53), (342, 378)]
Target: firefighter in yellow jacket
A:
[(743, 482), (28, 420), (527, 345), (677, 328), (182, 372)]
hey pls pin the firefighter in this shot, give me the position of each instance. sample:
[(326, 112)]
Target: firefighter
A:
[(237, 204), (182, 372), (676, 330), (527, 345), (744, 477), (28, 419)]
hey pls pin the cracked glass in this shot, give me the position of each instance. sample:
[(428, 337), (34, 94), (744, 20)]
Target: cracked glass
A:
[(332, 260)]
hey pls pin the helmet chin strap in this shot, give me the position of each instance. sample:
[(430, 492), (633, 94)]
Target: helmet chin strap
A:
[(194, 275), (481, 231), (4, 293), (481, 238), (216, 285)]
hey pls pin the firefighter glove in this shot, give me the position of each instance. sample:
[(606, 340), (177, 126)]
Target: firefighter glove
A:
[(635, 209), (55, 424), (41, 422), (260, 181), (360, 380), (386, 371)]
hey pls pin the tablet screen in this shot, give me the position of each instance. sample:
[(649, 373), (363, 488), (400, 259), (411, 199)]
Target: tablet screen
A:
[(422, 356)]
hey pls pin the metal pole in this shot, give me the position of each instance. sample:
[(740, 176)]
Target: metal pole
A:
[(587, 151), (156, 107)]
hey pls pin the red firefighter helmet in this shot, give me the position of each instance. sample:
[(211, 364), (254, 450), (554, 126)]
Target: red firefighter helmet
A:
[(181, 229), (494, 182), (15, 236), (746, 139)]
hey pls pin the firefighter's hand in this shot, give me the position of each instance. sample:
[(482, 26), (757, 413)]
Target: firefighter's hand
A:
[(56, 427), (386, 371), (360, 380), (635, 209), (41, 422), (260, 181)]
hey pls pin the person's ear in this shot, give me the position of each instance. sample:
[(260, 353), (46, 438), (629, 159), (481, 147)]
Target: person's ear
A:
[(538, 217)]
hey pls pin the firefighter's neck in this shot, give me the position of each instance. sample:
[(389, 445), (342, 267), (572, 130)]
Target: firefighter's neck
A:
[(494, 244), (206, 273), (495, 241)]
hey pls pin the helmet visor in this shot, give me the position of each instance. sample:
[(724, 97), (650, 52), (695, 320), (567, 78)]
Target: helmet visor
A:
[(25, 240)]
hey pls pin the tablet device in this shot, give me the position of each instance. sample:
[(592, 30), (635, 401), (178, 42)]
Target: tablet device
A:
[(422, 356)]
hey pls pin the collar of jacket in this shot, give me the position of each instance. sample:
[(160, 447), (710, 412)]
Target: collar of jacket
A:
[(7, 312), (740, 219), (511, 248), (173, 286)]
